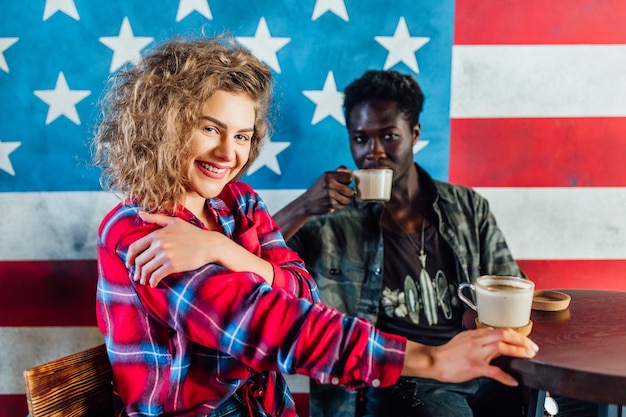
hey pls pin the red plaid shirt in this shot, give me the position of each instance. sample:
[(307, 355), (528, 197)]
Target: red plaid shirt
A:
[(189, 344)]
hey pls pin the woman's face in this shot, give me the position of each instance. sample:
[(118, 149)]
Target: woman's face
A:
[(220, 143)]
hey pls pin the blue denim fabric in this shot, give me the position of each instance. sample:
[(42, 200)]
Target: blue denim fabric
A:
[(232, 407), (418, 397), (332, 401)]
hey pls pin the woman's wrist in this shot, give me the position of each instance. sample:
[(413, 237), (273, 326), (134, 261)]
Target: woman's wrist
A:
[(419, 360)]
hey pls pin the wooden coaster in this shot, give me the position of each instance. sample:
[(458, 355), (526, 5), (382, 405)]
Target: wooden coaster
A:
[(548, 300), (524, 330)]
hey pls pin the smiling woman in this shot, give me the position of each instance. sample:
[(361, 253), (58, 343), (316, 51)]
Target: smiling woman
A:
[(171, 89)]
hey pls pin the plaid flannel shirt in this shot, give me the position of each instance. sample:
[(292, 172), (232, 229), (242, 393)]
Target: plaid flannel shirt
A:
[(187, 345)]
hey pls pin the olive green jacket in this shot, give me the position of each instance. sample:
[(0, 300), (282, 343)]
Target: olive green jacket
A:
[(343, 251)]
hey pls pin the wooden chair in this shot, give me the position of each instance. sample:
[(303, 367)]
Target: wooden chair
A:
[(73, 386)]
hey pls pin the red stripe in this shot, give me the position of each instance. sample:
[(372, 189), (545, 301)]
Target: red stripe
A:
[(302, 403), (593, 274), (539, 152), (13, 405), (489, 22), (62, 293), (48, 293)]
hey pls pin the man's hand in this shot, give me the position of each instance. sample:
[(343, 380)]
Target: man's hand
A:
[(331, 191)]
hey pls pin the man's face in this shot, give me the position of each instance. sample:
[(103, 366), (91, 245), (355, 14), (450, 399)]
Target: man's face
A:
[(380, 137)]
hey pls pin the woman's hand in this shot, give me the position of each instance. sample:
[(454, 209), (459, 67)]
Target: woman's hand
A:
[(176, 247), (468, 355), (179, 246)]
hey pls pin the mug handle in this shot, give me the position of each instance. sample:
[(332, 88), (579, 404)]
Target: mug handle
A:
[(463, 298)]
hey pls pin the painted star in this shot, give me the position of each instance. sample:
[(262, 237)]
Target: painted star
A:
[(263, 45), (62, 100), (126, 46), (5, 43), (5, 150), (186, 7), (336, 6), (328, 101), (402, 46), (66, 6), (419, 145), (267, 156)]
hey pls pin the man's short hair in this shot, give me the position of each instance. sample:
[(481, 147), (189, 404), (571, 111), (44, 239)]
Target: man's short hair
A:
[(386, 85)]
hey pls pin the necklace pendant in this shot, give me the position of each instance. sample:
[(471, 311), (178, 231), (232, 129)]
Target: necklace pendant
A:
[(422, 258)]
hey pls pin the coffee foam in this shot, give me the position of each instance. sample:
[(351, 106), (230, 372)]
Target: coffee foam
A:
[(513, 284)]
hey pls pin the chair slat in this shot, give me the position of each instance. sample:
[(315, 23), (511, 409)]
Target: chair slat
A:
[(73, 386)]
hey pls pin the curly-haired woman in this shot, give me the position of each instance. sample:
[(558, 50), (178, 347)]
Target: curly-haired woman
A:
[(230, 307)]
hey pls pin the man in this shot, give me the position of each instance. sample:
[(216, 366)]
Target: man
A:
[(369, 259)]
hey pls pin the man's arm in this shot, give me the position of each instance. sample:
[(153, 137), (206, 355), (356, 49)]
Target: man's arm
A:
[(330, 192), (292, 217)]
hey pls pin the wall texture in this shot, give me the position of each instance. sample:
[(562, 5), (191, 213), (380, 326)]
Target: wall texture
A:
[(526, 101)]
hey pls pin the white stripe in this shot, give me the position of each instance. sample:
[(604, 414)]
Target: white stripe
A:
[(26, 347), (51, 225), (539, 223), (277, 199), (493, 81), (561, 223), (297, 383)]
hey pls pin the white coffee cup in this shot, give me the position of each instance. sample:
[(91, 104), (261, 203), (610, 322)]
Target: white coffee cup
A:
[(501, 301), (373, 184)]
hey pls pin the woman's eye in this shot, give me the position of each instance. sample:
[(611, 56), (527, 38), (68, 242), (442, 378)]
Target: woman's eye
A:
[(242, 138), (210, 129)]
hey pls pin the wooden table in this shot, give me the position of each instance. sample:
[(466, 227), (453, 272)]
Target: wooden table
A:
[(582, 352)]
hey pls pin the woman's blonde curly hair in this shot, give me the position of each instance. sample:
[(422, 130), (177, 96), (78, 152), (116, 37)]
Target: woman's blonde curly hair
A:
[(149, 111)]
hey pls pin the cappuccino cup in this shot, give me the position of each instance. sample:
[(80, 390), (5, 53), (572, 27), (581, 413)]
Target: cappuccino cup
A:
[(373, 184), (501, 301)]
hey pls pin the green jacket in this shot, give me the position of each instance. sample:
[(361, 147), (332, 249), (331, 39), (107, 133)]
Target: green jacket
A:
[(344, 253)]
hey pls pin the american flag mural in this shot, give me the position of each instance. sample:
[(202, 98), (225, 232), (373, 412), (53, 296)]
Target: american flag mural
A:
[(525, 101)]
